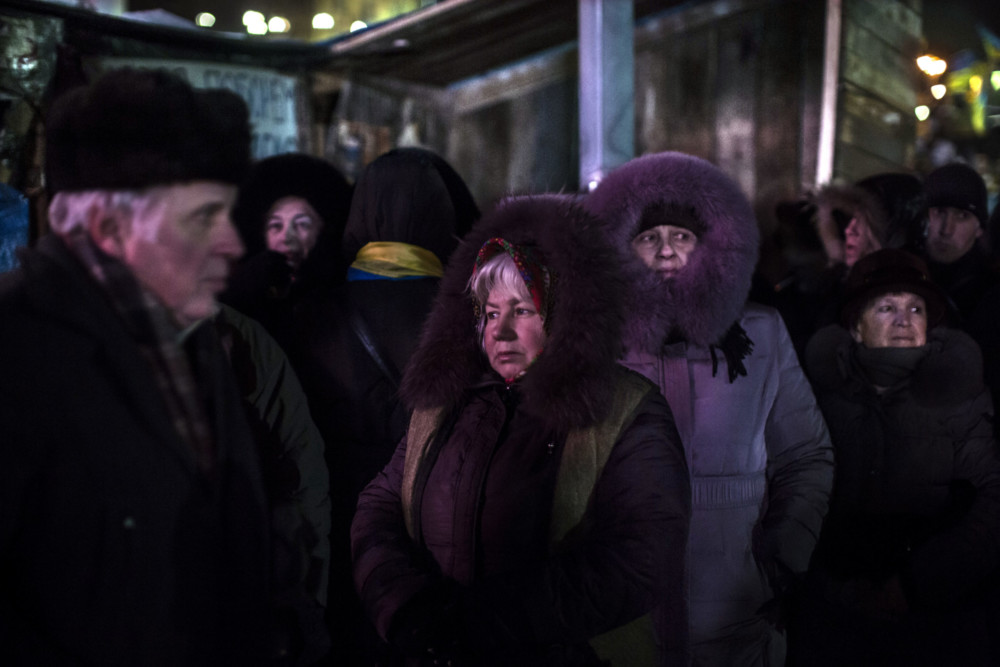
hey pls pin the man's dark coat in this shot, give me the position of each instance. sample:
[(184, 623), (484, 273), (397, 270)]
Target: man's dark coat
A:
[(114, 548)]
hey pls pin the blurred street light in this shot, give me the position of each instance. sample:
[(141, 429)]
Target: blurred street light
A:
[(932, 65)]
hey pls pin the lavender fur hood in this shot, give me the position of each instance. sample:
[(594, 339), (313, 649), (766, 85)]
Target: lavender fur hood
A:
[(701, 302), (569, 382)]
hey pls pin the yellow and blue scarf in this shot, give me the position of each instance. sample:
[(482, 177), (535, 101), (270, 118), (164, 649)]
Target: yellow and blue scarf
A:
[(387, 260)]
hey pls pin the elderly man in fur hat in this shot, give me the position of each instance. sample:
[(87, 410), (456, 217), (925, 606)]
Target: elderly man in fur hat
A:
[(757, 447), (132, 520)]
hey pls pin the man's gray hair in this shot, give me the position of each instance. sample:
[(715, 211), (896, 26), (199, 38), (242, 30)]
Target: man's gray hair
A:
[(69, 211)]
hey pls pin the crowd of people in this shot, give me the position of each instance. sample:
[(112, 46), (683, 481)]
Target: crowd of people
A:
[(258, 415)]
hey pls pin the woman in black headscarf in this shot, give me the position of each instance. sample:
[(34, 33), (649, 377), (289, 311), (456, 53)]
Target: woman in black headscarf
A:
[(290, 213), (408, 212)]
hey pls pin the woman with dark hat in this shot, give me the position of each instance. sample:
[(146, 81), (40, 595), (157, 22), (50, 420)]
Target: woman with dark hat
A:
[(846, 221), (290, 213), (913, 532), (536, 512)]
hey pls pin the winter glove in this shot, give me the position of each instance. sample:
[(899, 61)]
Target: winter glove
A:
[(876, 602), (787, 587), (429, 625)]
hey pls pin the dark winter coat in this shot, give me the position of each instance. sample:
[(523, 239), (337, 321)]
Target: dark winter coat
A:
[(917, 490), (296, 482), (972, 284), (483, 493), (405, 196), (114, 548), (757, 447), (967, 281)]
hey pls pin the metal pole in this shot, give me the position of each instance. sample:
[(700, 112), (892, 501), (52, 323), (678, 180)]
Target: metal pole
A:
[(607, 87), (831, 78)]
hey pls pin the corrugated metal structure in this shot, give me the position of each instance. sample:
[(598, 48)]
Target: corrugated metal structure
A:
[(740, 82), (493, 86)]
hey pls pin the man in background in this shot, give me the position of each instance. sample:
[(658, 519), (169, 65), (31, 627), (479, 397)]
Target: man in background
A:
[(959, 262)]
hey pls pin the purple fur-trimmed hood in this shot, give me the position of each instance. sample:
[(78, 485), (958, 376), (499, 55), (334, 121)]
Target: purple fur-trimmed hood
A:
[(569, 383), (702, 301)]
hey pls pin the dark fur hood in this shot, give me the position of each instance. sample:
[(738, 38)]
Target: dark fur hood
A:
[(893, 203), (570, 380), (848, 200), (703, 300), (950, 374)]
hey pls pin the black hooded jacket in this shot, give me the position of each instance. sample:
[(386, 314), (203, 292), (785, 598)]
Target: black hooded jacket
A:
[(407, 196)]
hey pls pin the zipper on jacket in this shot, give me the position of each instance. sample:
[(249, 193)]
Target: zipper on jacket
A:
[(509, 407)]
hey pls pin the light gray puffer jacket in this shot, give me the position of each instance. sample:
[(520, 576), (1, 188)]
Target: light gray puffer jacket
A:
[(758, 449)]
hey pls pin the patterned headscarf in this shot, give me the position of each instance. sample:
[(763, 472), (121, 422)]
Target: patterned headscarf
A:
[(528, 262)]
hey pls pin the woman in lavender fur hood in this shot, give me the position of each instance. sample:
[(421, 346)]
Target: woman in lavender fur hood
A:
[(758, 449)]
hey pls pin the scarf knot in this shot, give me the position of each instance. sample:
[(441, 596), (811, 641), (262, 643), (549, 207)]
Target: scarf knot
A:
[(736, 346)]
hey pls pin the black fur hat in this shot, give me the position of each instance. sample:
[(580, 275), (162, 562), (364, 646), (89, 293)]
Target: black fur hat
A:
[(885, 271), (958, 185), (133, 128), (308, 177)]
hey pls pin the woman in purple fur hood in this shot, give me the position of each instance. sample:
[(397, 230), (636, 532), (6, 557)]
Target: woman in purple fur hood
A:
[(536, 511), (757, 446)]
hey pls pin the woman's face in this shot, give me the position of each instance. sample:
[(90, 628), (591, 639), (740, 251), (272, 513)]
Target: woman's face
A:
[(898, 319), (665, 248), (514, 332), (292, 229), (859, 241)]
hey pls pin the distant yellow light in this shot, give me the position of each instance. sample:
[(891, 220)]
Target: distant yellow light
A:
[(939, 90), (279, 24), (322, 21), (932, 65), (251, 17), (205, 20), (358, 25), (976, 84), (995, 79), (923, 112)]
